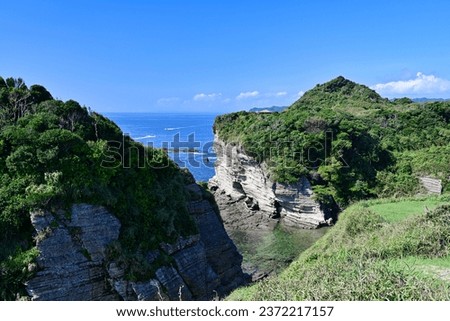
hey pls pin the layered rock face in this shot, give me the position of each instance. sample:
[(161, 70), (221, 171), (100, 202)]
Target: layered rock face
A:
[(248, 198), (72, 248), (431, 185), (73, 264)]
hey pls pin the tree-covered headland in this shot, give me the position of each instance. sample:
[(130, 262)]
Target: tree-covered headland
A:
[(55, 153)]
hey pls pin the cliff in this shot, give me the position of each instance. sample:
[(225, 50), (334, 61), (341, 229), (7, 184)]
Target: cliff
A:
[(75, 264), (249, 198), (153, 233)]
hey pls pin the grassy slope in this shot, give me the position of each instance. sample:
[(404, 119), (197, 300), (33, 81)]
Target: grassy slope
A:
[(375, 252)]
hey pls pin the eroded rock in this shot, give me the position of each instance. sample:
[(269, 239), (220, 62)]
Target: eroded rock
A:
[(249, 198)]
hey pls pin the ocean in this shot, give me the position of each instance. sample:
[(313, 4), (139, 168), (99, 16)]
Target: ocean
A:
[(187, 137)]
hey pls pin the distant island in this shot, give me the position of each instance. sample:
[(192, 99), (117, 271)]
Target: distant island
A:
[(181, 150), (273, 109), (428, 100)]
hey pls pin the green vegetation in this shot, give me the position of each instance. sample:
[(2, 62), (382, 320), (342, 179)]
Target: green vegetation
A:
[(354, 145), (15, 272), (55, 153), (397, 209), (368, 256), (351, 143)]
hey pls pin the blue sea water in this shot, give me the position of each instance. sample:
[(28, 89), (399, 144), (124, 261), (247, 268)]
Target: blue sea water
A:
[(187, 137)]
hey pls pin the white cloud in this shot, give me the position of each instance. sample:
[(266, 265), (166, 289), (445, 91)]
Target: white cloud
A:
[(421, 85), (300, 93), (168, 100), (277, 94), (247, 94), (207, 97)]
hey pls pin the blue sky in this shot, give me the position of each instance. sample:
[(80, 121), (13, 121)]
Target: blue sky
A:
[(220, 56)]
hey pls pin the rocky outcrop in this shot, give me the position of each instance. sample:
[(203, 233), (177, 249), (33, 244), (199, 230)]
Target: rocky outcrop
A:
[(248, 198), (73, 264), (72, 247), (431, 185)]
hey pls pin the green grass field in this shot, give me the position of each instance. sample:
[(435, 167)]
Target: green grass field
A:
[(378, 250), (397, 210)]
